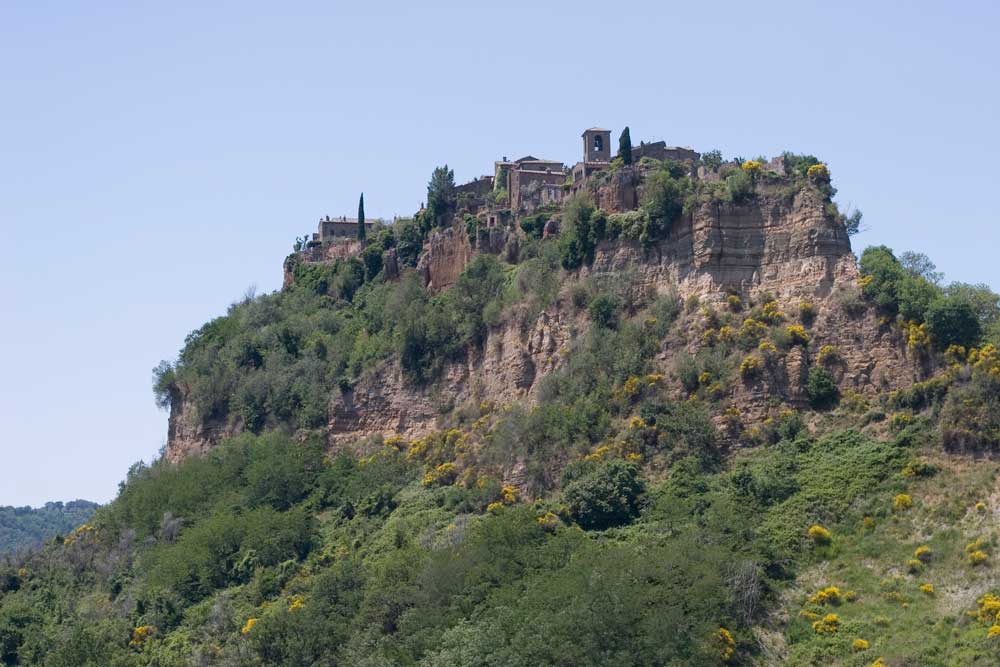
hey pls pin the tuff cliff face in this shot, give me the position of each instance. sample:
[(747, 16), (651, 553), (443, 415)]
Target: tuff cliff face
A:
[(791, 249), (448, 251), (445, 255), (187, 433), (508, 368), (785, 248)]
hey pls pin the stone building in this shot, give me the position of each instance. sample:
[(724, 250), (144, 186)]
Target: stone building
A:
[(596, 153), (525, 179), (473, 196), (531, 182), (476, 188), (340, 228), (658, 150)]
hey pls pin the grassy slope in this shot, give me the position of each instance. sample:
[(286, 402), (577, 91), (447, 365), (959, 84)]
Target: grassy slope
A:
[(871, 554)]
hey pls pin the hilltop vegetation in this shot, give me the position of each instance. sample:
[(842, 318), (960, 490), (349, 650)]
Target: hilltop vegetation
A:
[(27, 527), (630, 514)]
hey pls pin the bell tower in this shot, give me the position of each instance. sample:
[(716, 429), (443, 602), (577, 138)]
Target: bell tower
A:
[(596, 145)]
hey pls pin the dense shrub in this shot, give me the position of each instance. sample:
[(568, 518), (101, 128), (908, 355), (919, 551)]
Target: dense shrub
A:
[(577, 235), (712, 159), (920, 395), (684, 429), (970, 416), (270, 470), (605, 609), (602, 495), (798, 165), (951, 321), (663, 203), (821, 387), (628, 226), (534, 225), (225, 548), (316, 630), (892, 288), (603, 311), (740, 186)]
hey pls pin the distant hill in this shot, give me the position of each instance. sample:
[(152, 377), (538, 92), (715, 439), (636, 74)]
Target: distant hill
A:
[(26, 527)]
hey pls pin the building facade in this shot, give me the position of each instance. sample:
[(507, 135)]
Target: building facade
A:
[(340, 228)]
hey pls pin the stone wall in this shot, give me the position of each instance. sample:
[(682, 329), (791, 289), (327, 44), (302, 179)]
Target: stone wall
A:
[(659, 150), (479, 187)]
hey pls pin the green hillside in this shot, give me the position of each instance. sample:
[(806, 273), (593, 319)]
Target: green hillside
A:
[(650, 523)]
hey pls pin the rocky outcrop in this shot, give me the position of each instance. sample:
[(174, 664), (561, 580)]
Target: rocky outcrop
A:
[(787, 247), (446, 252), (498, 240), (188, 433), (793, 250), (784, 247), (390, 264), (318, 254), (621, 192), (512, 361)]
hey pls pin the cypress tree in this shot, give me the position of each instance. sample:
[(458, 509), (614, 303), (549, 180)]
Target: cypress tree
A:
[(361, 218), (625, 146)]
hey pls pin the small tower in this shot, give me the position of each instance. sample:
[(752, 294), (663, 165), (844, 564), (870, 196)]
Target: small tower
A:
[(596, 145)]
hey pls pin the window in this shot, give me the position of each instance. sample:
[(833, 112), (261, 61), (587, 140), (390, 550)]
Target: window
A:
[(598, 144)]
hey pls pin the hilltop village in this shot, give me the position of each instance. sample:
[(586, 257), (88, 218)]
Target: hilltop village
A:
[(523, 186), (525, 197)]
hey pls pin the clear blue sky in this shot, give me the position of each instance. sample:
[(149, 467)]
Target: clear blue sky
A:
[(156, 159)]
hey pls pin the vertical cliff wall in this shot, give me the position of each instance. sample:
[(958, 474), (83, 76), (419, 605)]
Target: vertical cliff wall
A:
[(789, 247)]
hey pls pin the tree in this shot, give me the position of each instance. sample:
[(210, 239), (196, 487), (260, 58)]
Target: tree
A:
[(164, 384), (893, 287), (920, 265), (409, 241), (361, 218), (372, 259), (440, 196), (664, 202), (602, 495), (952, 321), (821, 388), (712, 159), (625, 146), (576, 243), (852, 222), (984, 301), (603, 311)]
